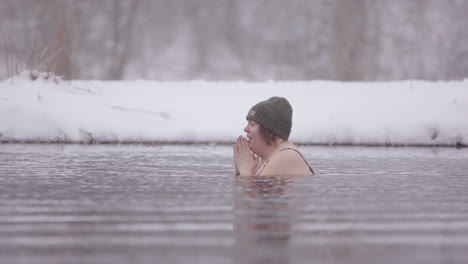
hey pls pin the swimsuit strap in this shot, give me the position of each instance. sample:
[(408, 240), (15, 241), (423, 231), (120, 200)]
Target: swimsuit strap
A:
[(300, 154), (263, 166)]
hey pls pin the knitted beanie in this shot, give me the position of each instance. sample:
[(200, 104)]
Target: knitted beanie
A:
[(274, 115)]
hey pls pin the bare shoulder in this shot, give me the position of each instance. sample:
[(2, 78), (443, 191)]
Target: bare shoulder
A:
[(287, 162)]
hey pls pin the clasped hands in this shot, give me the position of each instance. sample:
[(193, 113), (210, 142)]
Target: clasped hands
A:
[(245, 160)]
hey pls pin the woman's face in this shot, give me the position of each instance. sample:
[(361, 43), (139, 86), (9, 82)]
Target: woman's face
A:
[(256, 141)]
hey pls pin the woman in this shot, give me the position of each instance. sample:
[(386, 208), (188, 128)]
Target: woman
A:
[(267, 150)]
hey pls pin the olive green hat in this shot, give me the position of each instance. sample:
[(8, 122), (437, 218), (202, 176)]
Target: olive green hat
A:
[(274, 115)]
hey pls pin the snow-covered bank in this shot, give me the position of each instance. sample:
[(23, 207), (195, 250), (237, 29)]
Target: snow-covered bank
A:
[(396, 113)]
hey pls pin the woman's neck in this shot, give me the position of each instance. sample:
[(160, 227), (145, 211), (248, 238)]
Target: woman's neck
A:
[(273, 148)]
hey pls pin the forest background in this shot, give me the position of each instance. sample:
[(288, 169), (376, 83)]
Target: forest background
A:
[(250, 40)]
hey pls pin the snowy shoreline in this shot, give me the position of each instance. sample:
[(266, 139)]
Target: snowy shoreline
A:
[(326, 113), (222, 143), (95, 142)]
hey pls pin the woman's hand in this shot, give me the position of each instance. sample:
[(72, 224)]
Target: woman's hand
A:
[(244, 160)]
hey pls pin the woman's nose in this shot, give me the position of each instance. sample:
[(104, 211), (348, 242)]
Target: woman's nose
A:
[(246, 129)]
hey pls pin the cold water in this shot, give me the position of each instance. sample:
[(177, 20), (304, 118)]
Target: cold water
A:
[(182, 204)]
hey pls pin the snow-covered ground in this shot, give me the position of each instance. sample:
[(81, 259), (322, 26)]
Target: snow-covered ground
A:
[(325, 112)]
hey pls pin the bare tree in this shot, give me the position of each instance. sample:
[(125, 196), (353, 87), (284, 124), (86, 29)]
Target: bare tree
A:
[(347, 49), (456, 66), (61, 54), (122, 20)]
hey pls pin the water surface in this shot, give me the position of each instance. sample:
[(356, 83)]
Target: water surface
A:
[(182, 204)]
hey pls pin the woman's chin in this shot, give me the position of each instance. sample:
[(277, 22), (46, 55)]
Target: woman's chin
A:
[(253, 148)]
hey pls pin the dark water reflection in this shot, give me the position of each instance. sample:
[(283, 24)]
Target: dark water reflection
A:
[(263, 218), (181, 204)]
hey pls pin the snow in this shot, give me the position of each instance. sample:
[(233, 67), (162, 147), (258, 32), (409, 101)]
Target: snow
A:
[(325, 112)]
